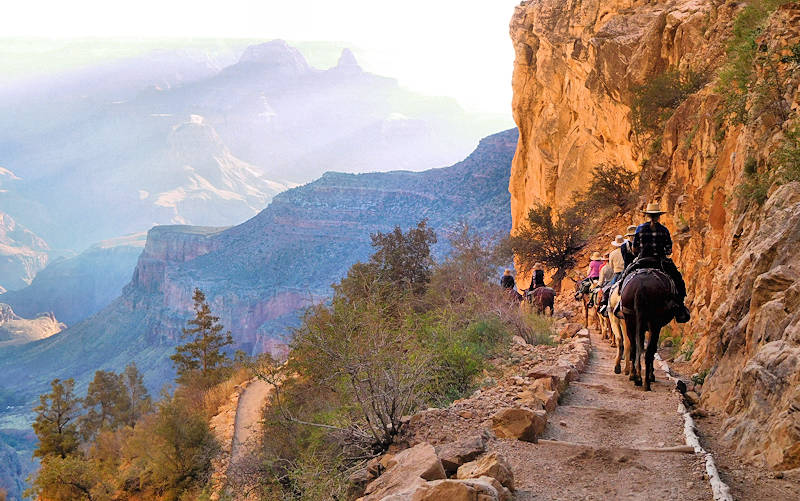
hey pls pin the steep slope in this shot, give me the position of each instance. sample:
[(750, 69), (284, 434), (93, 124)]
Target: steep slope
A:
[(259, 274), (210, 147), (576, 66), (77, 287), (22, 254)]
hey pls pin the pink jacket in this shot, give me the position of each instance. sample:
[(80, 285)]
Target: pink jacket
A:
[(594, 268)]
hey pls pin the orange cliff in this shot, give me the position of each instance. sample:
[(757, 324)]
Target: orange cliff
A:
[(575, 65)]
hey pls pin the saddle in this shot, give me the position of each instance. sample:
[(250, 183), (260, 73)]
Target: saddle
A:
[(650, 271)]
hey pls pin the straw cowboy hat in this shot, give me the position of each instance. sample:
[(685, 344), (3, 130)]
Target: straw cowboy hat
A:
[(538, 266), (619, 241), (654, 208), (631, 231), (597, 257), (507, 272)]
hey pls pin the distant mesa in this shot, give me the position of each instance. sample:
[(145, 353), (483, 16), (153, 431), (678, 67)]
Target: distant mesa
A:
[(276, 54)]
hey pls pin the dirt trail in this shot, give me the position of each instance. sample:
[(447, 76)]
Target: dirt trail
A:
[(592, 445), (248, 415)]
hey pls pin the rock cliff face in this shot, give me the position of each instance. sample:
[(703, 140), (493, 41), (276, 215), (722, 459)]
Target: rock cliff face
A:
[(17, 330), (258, 275), (576, 63), (77, 287), (22, 254)]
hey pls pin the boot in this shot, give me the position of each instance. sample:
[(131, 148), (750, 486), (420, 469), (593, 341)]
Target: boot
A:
[(618, 311), (682, 314)]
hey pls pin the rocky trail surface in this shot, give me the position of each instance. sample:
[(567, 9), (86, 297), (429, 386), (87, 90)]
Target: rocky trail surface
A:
[(248, 415), (607, 440)]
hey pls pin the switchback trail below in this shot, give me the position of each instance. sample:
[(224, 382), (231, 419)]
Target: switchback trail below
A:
[(595, 446)]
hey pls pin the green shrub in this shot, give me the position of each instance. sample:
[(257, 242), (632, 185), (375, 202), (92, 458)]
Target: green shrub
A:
[(655, 100), (754, 188), (700, 377), (788, 157), (542, 330), (736, 76), (710, 173)]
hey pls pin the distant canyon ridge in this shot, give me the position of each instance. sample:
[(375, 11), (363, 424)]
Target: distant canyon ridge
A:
[(172, 138)]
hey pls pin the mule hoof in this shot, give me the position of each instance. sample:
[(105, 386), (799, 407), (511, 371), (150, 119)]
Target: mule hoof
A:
[(652, 379), (632, 377), (647, 386), (616, 369), (637, 382)]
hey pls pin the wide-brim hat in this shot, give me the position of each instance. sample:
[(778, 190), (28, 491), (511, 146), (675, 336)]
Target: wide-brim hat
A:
[(631, 231), (596, 256), (619, 241), (538, 266), (653, 208)]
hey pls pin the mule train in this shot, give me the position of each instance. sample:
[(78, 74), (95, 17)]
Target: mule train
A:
[(636, 300)]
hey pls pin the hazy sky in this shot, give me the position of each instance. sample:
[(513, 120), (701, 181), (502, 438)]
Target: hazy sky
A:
[(458, 48)]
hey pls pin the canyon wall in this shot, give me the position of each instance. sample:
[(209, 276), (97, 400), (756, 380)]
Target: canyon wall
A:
[(259, 275), (576, 65)]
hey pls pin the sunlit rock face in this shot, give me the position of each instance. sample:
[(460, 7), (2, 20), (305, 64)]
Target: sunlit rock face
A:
[(17, 330), (576, 63), (22, 254)]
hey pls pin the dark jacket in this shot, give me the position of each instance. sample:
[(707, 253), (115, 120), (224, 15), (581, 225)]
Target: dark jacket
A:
[(507, 282), (538, 279), (627, 254)]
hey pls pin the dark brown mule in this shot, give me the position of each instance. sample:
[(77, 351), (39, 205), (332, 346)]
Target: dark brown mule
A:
[(542, 298), (647, 307)]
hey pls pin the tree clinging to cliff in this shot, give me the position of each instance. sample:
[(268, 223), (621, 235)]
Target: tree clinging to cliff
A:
[(202, 360), (552, 237)]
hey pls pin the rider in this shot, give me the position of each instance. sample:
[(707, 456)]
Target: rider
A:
[(538, 276), (507, 281), (626, 250), (593, 271), (652, 240), (616, 259)]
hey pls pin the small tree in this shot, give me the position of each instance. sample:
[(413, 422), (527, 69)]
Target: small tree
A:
[(202, 358), (105, 403), (404, 259), (69, 478), (611, 186), (139, 401), (552, 237), (56, 420)]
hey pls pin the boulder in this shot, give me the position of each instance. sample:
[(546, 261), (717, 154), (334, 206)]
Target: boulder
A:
[(491, 465), (476, 489), (522, 424), (405, 470), (560, 375), (454, 454), (570, 330)]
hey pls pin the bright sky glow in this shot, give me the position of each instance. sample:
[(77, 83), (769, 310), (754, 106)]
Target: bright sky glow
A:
[(457, 48)]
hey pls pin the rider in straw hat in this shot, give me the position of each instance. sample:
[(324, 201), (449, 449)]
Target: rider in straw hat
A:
[(652, 240), (595, 265)]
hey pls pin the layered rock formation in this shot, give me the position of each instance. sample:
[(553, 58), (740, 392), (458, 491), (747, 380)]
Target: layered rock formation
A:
[(77, 287), (17, 330), (258, 275), (207, 146), (22, 254), (576, 63)]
